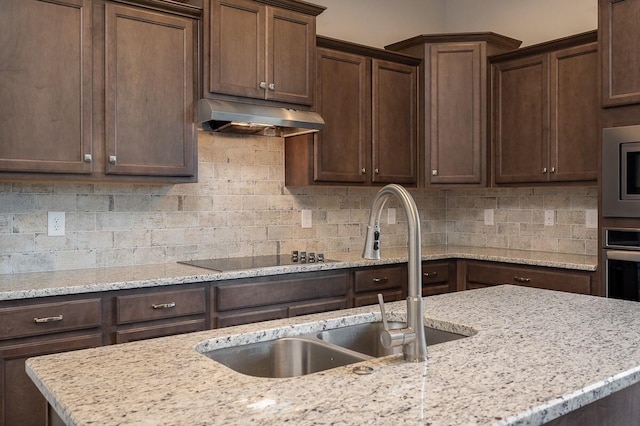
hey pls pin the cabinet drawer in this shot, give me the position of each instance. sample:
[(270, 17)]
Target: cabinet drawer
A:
[(316, 306), (228, 319), (160, 305), (551, 279), (435, 273), (49, 318), (159, 330), (247, 294), (372, 299), (379, 278)]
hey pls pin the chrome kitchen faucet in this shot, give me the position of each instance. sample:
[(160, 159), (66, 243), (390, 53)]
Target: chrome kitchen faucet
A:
[(412, 338)]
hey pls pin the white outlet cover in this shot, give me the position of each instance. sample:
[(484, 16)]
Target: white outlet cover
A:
[(306, 219), (591, 220), (391, 216), (549, 217), (488, 217), (55, 224)]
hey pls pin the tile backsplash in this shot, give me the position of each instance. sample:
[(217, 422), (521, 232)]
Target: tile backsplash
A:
[(240, 207)]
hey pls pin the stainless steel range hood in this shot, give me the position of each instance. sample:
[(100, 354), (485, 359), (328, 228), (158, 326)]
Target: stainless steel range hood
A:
[(236, 117)]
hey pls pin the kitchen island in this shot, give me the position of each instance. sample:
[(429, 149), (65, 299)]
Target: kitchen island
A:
[(530, 356)]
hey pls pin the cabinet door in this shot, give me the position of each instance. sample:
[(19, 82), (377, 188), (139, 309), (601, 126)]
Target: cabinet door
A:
[(458, 115), (291, 44), (394, 122), (237, 48), (575, 138), (619, 40), (520, 110), (150, 78), (45, 86), (343, 100), (21, 403)]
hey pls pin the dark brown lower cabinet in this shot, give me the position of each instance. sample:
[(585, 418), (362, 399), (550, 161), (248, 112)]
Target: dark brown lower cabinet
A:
[(390, 281), (259, 299), (438, 277), (22, 403), (484, 274)]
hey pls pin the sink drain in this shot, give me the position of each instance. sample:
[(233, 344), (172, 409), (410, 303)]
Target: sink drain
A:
[(363, 370)]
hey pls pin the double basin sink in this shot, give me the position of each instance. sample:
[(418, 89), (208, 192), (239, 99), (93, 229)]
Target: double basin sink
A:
[(310, 353)]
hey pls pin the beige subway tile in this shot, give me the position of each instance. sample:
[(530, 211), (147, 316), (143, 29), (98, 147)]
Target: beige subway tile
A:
[(167, 237), (571, 246), (6, 223), (77, 259), (44, 243), (114, 257), (25, 223), (17, 203), (131, 239), (151, 255), (32, 262), (188, 219), (544, 244), (17, 243), (95, 239)]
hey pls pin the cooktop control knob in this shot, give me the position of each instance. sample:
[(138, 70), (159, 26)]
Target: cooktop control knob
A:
[(294, 256), (320, 257), (312, 257), (303, 257)]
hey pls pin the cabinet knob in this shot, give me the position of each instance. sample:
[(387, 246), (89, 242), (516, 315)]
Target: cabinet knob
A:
[(112, 159), (88, 158), (272, 86), (434, 173), (263, 84), (553, 169), (363, 171), (544, 170), (377, 171)]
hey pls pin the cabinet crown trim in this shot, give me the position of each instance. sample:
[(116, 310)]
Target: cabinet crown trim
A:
[(295, 5), (360, 49), (547, 46), (489, 37)]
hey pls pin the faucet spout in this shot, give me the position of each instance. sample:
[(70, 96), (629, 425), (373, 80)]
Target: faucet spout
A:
[(414, 342)]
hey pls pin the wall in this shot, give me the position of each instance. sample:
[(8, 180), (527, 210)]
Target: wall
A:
[(381, 22), (240, 207)]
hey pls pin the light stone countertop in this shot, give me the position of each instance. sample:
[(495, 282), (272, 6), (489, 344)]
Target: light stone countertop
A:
[(42, 284), (532, 356)]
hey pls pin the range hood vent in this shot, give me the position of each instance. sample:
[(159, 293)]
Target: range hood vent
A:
[(236, 117)]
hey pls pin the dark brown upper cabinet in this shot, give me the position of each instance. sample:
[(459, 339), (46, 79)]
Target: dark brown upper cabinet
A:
[(545, 112), (368, 99), (262, 50), (99, 90), (45, 112), (453, 104), (149, 92), (620, 57)]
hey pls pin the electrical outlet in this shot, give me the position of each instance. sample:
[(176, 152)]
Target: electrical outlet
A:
[(55, 224), (306, 219), (591, 218), (391, 216), (488, 217), (549, 217)]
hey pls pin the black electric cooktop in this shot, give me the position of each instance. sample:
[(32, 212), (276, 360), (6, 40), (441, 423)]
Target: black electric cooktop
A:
[(241, 263)]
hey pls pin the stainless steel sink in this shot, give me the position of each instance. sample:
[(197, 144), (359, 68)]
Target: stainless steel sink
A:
[(310, 353), (365, 338), (286, 357)]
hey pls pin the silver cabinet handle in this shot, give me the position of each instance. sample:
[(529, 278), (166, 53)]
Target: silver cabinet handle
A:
[(263, 84), (430, 274), (380, 280), (272, 86), (434, 172), (164, 305), (544, 170), (377, 171), (112, 159), (553, 169), (88, 158), (363, 171), (521, 279), (48, 319)]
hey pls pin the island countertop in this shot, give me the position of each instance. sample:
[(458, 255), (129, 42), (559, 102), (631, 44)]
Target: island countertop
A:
[(532, 355), (43, 284)]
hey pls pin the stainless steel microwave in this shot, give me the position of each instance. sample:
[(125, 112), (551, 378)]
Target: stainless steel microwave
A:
[(621, 171)]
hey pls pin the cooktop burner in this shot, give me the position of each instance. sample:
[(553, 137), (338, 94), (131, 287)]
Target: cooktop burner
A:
[(240, 263)]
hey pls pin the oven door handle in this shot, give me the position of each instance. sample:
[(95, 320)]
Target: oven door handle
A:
[(628, 256)]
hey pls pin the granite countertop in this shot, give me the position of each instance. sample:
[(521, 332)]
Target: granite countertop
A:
[(532, 355), (41, 284)]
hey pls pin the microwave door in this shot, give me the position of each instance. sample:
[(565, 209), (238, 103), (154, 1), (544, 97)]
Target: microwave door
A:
[(630, 171)]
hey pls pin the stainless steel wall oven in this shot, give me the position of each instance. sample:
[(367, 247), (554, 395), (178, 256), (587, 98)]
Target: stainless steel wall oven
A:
[(622, 263)]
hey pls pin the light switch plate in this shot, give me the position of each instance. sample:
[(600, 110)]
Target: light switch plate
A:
[(306, 219), (55, 224), (488, 217)]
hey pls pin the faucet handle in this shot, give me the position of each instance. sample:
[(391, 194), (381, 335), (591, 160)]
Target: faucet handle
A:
[(389, 338)]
